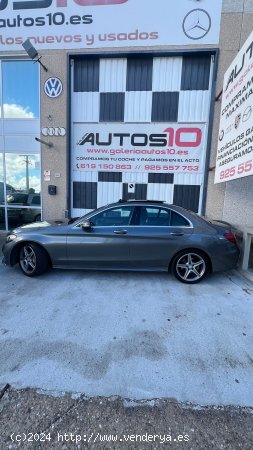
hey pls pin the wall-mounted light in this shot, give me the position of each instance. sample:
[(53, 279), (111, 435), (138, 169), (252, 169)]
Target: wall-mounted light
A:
[(48, 144), (32, 52)]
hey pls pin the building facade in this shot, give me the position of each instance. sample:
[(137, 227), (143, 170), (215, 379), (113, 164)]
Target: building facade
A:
[(129, 106)]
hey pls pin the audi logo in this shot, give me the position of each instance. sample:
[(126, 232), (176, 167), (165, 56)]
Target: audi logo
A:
[(53, 131)]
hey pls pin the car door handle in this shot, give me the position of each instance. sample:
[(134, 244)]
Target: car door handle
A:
[(120, 231), (176, 233)]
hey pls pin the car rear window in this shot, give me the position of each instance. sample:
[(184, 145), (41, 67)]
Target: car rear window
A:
[(35, 200), (153, 216), (178, 221)]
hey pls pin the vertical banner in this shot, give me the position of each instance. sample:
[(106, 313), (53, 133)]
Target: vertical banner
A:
[(235, 145)]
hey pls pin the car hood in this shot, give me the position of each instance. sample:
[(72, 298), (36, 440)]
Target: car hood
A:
[(38, 226)]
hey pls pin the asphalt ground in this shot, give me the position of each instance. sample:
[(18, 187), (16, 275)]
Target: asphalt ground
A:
[(31, 420)]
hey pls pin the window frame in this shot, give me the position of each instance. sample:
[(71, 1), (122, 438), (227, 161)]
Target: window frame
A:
[(170, 210), (130, 223)]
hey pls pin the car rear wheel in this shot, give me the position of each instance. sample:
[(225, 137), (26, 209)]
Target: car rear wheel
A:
[(190, 266), (33, 260), (37, 218)]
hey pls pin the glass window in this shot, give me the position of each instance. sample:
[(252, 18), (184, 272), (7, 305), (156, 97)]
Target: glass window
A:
[(2, 218), (22, 174), (35, 200), (17, 199), (152, 216), (22, 190), (1, 180), (178, 221), (21, 216), (20, 89), (2, 211), (113, 217)]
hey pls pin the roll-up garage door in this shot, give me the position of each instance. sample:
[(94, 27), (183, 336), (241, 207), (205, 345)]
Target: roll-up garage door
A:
[(139, 128)]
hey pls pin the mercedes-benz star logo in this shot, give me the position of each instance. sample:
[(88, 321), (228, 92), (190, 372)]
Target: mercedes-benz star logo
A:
[(221, 135), (196, 24), (247, 114)]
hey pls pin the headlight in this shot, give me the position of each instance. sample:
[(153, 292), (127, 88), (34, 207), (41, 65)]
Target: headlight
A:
[(10, 237)]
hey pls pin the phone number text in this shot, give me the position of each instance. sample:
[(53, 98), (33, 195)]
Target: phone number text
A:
[(137, 167), (236, 170)]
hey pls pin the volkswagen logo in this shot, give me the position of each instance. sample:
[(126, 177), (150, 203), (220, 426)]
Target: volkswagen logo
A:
[(196, 24), (53, 87)]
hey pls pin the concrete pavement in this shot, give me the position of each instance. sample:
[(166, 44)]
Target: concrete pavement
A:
[(135, 335), (125, 361)]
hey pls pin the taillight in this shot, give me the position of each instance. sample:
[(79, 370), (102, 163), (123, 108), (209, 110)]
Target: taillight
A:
[(230, 237)]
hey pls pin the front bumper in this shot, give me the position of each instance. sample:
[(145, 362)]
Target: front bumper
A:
[(6, 250)]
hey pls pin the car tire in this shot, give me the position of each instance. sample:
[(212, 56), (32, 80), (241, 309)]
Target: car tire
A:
[(190, 266), (37, 218), (33, 260)]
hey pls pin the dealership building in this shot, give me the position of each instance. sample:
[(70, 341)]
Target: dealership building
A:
[(127, 99)]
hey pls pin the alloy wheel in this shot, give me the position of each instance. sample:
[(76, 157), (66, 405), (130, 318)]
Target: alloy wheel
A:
[(190, 267), (28, 259)]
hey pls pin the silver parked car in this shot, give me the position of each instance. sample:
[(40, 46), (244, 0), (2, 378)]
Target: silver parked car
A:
[(128, 235)]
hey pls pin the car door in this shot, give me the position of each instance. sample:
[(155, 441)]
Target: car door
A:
[(106, 243), (158, 234)]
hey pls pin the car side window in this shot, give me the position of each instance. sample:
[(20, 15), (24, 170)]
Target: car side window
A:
[(119, 216), (154, 217), (17, 198), (178, 221), (35, 200)]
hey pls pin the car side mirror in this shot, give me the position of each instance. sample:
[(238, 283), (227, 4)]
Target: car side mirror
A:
[(86, 226)]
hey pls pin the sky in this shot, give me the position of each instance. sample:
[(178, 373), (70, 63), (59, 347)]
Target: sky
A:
[(20, 89), (16, 171)]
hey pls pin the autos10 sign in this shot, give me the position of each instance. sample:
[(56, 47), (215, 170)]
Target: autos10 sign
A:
[(171, 148), (235, 145), (65, 24)]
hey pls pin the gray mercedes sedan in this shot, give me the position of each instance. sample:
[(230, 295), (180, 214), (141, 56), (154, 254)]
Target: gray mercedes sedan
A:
[(128, 235)]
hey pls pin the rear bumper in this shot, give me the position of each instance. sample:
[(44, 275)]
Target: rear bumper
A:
[(228, 260)]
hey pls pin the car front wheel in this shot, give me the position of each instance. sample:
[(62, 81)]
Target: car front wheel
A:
[(190, 266), (33, 260)]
